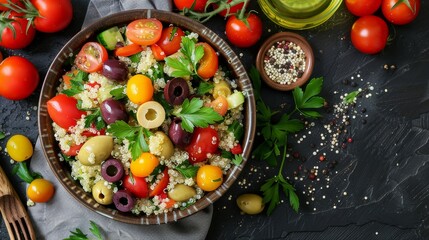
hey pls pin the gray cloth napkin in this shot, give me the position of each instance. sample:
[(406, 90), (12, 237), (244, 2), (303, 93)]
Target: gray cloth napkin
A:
[(55, 219)]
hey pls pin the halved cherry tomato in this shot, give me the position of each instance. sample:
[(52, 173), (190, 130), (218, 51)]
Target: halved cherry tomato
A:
[(209, 63), (144, 31), (170, 40), (220, 105), (144, 165), (63, 111), (136, 185), (157, 52), (204, 141), (128, 50), (162, 184), (74, 150), (91, 57)]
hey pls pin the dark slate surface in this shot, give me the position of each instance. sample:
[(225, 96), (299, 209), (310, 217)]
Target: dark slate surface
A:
[(378, 187)]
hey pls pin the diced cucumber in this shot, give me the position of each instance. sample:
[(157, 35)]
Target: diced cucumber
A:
[(235, 99), (110, 37), (136, 57)]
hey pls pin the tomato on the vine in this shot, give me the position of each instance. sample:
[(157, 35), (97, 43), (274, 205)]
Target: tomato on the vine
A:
[(199, 6), (242, 34), (369, 34), (4, 8), (15, 35), (144, 31), (91, 57), (363, 7), (52, 15), (209, 63), (63, 111), (18, 78), (136, 186), (232, 10), (40, 190), (170, 40), (400, 12), (204, 141)]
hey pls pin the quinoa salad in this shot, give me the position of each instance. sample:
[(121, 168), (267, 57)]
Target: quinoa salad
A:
[(147, 118)]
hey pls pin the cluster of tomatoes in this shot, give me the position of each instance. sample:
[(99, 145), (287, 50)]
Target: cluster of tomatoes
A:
[(242, 29), (370, 33)]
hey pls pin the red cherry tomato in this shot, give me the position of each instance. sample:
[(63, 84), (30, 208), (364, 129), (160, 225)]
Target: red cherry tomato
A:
[(204, 141), (232, 10), (157, 52), (53, 15), (363, 7), (237, 149), (170, 40), (209, 63), (63, 111), (18, 78), (136, 186), (128, 50), (22, 37), (400, 14), (91, 57), (369, 34), (144, 31), (74, 150), (241, 34), (4, 8), (199, 6), (161, 185)]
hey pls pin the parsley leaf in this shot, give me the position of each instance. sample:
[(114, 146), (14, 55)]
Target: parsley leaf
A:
[(76, 83), (24, 173), (237, 129), (2, 135), (95, 230), (95, 118), (351, 97), (135, 134), (185, 62), (308, 99), (236, 159), (187, 169), (77, 234), (204, 88), (194, 114), (118, 93)]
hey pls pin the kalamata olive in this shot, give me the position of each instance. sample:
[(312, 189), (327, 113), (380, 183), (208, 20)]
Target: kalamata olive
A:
[(123, 201), (102, 194), (176, 91), (250, 203), (95, 150), (177, 135), (113, 110), (181, 193), (150, 114), (112, 170), (115, 70)]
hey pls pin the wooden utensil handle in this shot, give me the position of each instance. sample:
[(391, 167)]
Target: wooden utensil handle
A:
[(5, 185)]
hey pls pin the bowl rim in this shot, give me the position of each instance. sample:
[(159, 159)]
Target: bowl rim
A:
[(50, 84), (292, 37)]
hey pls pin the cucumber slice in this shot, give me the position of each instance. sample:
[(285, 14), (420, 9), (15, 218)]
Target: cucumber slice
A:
[(110, 37), (235, 99)]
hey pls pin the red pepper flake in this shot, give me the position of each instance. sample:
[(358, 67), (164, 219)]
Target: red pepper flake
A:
[(322, 158), (349, 140)]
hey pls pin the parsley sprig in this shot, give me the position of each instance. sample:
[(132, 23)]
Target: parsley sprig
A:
[(275, 135), (76, 83), (185, 63), (134, 134), (2, 135), (77, 234), (187, 169), (193, 114)]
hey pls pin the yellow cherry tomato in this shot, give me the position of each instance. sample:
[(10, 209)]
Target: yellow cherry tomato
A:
[(139, 89), (209, 177), (19, 148), (40, 190), (144, 165)]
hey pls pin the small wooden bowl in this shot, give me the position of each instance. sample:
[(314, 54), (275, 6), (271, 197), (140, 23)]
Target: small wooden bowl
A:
[(291, 37)]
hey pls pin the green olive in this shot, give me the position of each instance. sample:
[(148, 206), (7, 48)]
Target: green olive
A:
[(95, 150), (221, 88), (182, 193), (150, 114), (102, 194), (165, 146), (250, 203)]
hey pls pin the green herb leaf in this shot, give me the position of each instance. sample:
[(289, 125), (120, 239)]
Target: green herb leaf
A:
[(96, 119), (77, 234), (142, 141), (24, 173), (180, 65), (76, 83), (187, 169), (351, 97), (313, 88), (121, 129), (95, 230), (2, 135), (237, 129), (136, 135), (159, 97), (256, 80), (204, 87), (136, 57), (194, 114), (67, 158), (237, 160), (118, 93)]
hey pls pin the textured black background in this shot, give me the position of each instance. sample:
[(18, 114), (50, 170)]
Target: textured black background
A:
[(379, 187)]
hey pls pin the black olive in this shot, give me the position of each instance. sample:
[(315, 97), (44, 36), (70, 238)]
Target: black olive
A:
[(176, 91)]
